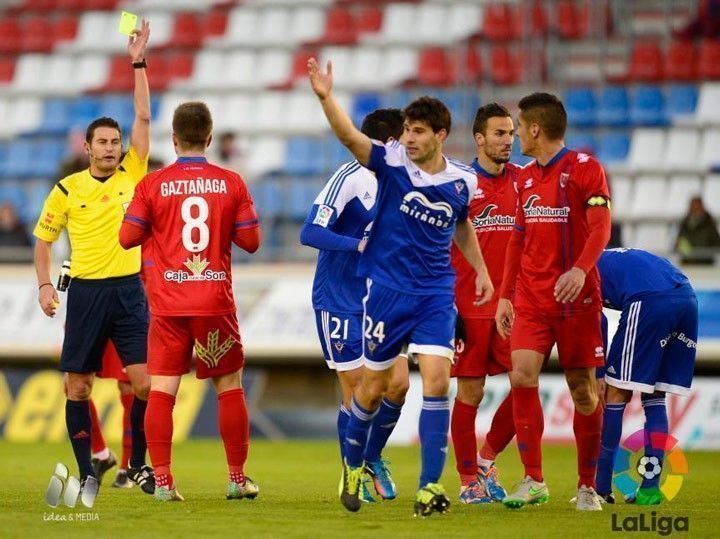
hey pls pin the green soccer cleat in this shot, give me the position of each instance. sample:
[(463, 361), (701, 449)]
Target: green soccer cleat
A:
[(350, 485), (237, 491), (164, 494), (365, 495), (527, 492), (648, 496), (431, 499)]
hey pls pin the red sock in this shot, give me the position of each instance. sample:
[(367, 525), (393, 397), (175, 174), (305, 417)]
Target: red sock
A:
[(234, 430), (502, 430), (529, 424), (127, 400), (462, 430), (96, 438), (159, 430), (587, 429)]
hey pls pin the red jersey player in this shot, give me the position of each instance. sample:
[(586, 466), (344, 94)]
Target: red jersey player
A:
[(481, 351), (561, 227), (189, 214)]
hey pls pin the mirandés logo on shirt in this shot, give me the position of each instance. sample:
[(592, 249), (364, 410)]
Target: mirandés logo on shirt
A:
[(544, 214), (199, 270), (485, 220), (417, 205)]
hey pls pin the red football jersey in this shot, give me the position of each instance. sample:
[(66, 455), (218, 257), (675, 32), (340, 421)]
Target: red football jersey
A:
[(552, 205), (192, 209), (492, 212)]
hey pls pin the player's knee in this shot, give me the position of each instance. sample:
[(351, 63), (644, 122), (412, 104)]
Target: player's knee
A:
[(584, 397), (435, 385), (79, 390), (397, 389), (471, 391), (141, 388), (521, 378)]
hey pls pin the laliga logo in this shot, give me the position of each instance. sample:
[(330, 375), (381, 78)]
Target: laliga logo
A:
[(417, 205), (650, 467)]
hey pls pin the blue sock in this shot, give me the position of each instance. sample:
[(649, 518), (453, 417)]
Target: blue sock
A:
[(609, 442), (342, 421), (434, 423), (382, 427), (656, 423), (356, 434), (137, 425), (79, 427)]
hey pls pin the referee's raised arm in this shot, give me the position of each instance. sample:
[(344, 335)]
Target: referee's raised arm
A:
[(140, 134)]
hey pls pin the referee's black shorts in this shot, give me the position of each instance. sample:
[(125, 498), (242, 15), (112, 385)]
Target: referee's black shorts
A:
[(101, 309)]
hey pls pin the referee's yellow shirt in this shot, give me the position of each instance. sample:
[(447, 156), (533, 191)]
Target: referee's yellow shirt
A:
[(92, 211)]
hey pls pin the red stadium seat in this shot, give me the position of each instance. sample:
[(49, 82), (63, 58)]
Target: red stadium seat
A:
[(340, 27), (100, 4), (471, 71), (538, 19), (501, 22), (681, 61), (158, 75), (298, 70), (70, 5), (9, 36), (179, 66), (506, 66), (435, 68), (65, 28), (120, 78), (215, 23), (37, 35), (187, 31), (709, 62), (39, 5), (369, 20), (7, 69), (646, 62), (572, 19)]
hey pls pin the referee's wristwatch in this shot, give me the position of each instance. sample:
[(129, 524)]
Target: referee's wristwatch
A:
[(140, 65)]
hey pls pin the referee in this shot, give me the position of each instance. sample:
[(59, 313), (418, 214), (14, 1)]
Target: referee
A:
[(105, 298)]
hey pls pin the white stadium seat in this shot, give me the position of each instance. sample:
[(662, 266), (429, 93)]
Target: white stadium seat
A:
[(711, 194), (682, 150), (653, 237), (649, 197), (682, 189), (92, 71), (264, 154), (708, 107), (308, 25), (24, 115), (241, 28), (710, 149), (397, 26), (621, 193), (647, 149)]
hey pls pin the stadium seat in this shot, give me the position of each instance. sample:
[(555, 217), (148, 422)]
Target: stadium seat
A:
[(464, 20), (214, 23), (397, 98), (25, 115), (709, 60), (36, 34), (501, 22), (582, 142), (209, 70), (364, 59), (30, 69), (363, 104), (303, 157), (681, 153), (614, 148), (647, 107), (681, 190), (681, 101), (65, 28), (92, 71), (397, 25), (121, 78), (187, 31), (307, 25), (649, 197), (20, 159), (7, 70), (299, 198), (270, 112), (647, 149), (711, 194), (335, 154), (681, 61), (234, 112), (241, 27), (435, 68), (274, 24), (10, 36), (343, 70), (613, 107), (708, 109), (237, 67), (621, 188), (426, 28), (120, 108), (581, 107), (14, 193), (83, 111), (48, 157), (572, 19), (56, 117), (267, 194), (93, 29), (369, 20), (646, 62), (709, 157), (653, 237), (467, 64), (340, 27), (506, 66), (266, 154), (273, 67), (401, 65)]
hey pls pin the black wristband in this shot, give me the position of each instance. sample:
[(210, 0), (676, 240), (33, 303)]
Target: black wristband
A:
[(140, 65), (44, 284)]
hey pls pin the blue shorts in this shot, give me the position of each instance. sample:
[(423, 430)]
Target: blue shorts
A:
[(426, 323), (101, 309), (655, 344), (341, 339)]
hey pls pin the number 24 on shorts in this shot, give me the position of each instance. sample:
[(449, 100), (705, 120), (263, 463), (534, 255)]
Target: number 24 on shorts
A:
[(374, 330)]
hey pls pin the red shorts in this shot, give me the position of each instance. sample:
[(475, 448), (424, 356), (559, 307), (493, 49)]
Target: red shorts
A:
[(483, 352), (216, 340), (112, 366), (578, 337)]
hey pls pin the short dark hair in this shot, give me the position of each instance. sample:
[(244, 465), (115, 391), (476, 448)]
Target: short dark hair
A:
[(192, 124), (101, 122), (547, 111), (383, 124), (430, 110), (484, 113)]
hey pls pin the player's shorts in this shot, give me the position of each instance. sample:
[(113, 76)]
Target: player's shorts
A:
[(426, 323), (101, 309), (655, 344), (341, 338), (482, 352), (112, 367), (578, 337), (216, 340)]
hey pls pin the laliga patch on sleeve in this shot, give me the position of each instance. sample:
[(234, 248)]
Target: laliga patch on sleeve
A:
[(599, 201), (323, 216), (127, 23)]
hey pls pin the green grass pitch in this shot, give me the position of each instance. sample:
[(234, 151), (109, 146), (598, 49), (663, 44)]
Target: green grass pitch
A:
[(298, 498)]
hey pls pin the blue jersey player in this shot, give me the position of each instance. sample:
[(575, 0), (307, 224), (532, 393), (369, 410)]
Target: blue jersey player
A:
[(422, 206), (653, 351), (338, 225)]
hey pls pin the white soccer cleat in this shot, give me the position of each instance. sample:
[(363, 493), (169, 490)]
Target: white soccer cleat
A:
[(587, 499)]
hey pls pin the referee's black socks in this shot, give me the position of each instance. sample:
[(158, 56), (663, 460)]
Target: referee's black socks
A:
[(79, 427), (137, 425)]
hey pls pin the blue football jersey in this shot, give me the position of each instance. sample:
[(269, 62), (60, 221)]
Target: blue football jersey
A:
[(346, 206), (409, 245), (628, 273)]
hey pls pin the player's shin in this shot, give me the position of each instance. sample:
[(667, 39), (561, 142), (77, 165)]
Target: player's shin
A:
[(434, 424), (464, 440), (501, 433), (587, 429), (235, 431), (609, 443), (656, 429), (529, 426), (342, 421), (382, 426), (159, 431), (356, 434)]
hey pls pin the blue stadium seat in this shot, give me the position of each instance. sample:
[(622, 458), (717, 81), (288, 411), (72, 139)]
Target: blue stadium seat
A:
[(300, 195), (398, 99), (15, 194), (4, 147), (363, 104), (455, 101), (56, 117), (50, 154), (37, 192), (268, 197), (120, 108), (613, 107), (648, 106), (614, 147), (84, 110), (582, 142), (20, 159), (681, 101), (581, 107), (304, 156), (518, 158), (335, 154)]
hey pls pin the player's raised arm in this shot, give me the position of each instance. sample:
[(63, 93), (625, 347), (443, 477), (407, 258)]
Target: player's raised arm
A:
[(341, 124), (466, 240), (140, 134)]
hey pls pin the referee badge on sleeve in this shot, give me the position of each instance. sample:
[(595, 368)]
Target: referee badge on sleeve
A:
[(323, 216)]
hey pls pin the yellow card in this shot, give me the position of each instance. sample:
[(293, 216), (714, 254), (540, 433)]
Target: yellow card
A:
[(127, 23)]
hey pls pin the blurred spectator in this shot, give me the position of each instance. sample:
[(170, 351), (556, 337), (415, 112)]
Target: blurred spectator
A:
[(15, 245), (698, 238), (229, 154), (154, 164), (706, 24), (78, 159)]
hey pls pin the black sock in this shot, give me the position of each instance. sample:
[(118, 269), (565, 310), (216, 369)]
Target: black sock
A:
[(137, 425), (79, 427)]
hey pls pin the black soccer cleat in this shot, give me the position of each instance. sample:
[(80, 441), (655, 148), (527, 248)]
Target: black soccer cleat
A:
[(144, 477), (101, 466)]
